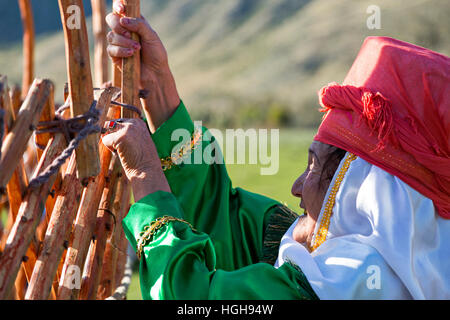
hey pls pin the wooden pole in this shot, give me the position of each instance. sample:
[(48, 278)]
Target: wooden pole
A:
[(26, 13), (87, 213), (80, 82), (130, 95), (103, 228), (16, 100), (17, 185), (131, 66), (16, 141), (101, 61), (25, 225), (120, 206), (57, 235), (18, 182), (8, 107), (48, 114), (5, 104)]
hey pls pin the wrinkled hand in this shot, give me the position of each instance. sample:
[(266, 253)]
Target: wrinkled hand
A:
[(154, 55), (156, 77), (131, 141)]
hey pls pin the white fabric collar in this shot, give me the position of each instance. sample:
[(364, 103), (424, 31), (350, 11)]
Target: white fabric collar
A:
[(385, 241)]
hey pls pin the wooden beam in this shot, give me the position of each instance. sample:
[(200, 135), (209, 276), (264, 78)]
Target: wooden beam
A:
[(5, 104), (16, 100), (100, 29), (80, 81), (16, 141), (48, 114), (103, 228), (17, 184), (26, 13), (131, 66), (120, 207), (20, 285), (87, 212), (25, 225), (57, 235)]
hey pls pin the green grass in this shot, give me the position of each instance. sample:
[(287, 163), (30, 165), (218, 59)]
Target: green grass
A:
[(134, 292), (293, 159), (293, 155)]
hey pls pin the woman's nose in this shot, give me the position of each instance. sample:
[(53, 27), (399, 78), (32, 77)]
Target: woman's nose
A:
[(297, 187)]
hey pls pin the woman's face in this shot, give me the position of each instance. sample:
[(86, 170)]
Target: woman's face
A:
[(312, 187)]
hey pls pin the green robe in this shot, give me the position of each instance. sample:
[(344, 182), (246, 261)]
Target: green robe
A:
[(231, 252)]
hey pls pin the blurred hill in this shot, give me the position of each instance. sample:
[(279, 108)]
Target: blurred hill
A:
[(239, 62)]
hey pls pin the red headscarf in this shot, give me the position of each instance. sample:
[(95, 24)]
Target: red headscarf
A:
[(393, 110)]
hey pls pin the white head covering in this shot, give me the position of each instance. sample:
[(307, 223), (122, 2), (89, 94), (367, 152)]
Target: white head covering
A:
[(385, 241)]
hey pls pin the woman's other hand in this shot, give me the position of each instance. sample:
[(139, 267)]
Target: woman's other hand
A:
[(156, 77)]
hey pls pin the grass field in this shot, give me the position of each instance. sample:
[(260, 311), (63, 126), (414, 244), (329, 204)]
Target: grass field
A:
[(293, 159)]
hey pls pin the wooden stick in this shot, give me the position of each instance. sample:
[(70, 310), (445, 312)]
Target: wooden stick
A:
[(131, 65), (57, 235), (25, 225), (26, 13), (101, 61), (103, 228), (87, 213), (116, 76), (16, 141), (15, 189), (80, 81), (17, 185), (120, 206), (48, 114), (5, 103), (20, 285), (16, 100)]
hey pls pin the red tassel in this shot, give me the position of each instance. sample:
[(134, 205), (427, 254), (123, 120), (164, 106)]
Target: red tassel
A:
[(371, 107)]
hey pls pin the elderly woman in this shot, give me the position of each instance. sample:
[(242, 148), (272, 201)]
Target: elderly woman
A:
[(376, 192)]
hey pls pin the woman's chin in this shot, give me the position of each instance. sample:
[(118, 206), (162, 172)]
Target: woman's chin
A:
[(300, 231), (304, 229)]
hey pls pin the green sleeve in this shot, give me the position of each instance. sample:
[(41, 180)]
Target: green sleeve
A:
[(181, 263), (234, 219)]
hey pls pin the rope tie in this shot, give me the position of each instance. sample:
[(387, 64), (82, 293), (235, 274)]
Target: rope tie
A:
[(66, 127), (74, 130)]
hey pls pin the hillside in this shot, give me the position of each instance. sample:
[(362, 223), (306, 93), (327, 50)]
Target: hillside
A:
[(235, 54)]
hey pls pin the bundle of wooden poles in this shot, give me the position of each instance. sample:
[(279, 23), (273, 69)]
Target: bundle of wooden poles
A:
[(63, 238)]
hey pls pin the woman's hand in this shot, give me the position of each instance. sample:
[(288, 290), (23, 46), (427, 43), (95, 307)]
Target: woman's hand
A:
[(137, 152), (156, 77)]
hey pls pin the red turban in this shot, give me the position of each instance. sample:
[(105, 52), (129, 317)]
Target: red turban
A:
[(393, 110)]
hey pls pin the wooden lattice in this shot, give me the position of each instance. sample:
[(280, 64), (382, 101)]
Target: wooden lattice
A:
[(63, 238)]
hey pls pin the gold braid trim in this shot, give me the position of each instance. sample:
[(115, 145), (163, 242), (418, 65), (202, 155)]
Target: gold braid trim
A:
[(177, 156), (149, 231), (322, 233)]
